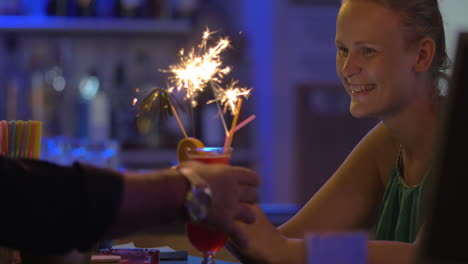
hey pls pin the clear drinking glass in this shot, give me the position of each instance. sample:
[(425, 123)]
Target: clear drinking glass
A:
[(202, 237)]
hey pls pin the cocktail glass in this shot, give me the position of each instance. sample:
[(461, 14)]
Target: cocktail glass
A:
[(202, 237)]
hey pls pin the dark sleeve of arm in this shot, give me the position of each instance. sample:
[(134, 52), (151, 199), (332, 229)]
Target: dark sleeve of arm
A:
[(52, 209)]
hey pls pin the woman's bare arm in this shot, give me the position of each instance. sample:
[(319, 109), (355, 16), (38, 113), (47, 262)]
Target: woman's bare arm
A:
[(268, 246), (351, 198)]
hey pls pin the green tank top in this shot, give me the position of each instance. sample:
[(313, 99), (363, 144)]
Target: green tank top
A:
[(400, 210)]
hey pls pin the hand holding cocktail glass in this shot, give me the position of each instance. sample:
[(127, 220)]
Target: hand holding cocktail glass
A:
[(233, 189)]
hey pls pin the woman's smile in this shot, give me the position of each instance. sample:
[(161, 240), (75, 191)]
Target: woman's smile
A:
[(361, 88)]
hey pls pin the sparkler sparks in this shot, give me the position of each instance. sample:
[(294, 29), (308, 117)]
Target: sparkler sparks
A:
[(199, 67), (229, 96), (198, 70)]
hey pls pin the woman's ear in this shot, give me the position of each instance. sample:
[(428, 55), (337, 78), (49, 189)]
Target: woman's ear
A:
[(426, 50)]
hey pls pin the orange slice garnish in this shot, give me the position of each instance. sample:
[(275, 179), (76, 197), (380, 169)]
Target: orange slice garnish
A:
[(187, 143)]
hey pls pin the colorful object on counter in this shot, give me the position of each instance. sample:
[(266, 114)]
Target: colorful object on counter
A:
[(132, 255), (20, 139), (105, 259)]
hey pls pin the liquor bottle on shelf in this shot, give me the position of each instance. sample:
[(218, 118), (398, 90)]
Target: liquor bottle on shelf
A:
[(39, 101), (123, 121), (57, 8), (3, 75), (151, 9), (50, 92), (82, 8), (63, 85), (128, 8), (89, 87), (34, 8), (157, 8), (99, 117), (15, 78), (104, 8), (183, 8), (121, 116)]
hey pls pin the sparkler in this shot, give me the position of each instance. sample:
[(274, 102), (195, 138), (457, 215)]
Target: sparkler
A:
[(199, 67), (197, 70), (229, 96)]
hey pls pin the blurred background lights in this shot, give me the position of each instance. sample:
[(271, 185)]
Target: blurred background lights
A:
[(89, 86)]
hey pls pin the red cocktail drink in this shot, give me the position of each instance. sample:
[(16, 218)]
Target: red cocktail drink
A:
[(202, 237), (221, 159)]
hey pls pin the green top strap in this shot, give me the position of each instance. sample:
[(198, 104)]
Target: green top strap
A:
[(400, 210)]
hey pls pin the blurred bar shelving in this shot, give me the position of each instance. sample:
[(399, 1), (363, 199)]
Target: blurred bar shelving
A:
[(47, 24), (124, 54)]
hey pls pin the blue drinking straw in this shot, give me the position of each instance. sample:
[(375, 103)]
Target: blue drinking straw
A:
[(12, 130)]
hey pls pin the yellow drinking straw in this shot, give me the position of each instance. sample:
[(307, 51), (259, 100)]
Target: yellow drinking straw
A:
[(37, 139), (31, 141), (228, 142), (27, 139)]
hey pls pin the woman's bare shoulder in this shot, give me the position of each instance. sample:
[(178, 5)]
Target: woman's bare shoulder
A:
[(383, 147), (350, 199)]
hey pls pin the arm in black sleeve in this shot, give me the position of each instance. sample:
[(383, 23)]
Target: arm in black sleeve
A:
[(52, 209)]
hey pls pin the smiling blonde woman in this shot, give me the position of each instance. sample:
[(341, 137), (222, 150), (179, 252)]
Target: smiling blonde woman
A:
[(390, 58)]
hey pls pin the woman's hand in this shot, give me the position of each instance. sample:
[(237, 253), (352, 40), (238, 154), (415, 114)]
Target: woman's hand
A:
[(265, 243)]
